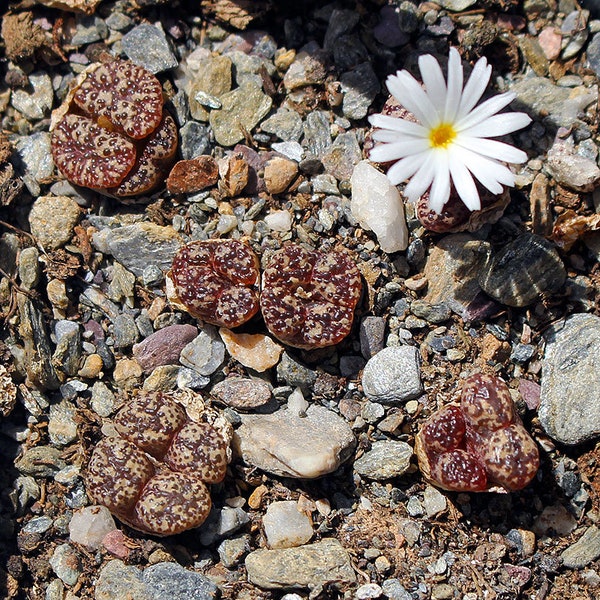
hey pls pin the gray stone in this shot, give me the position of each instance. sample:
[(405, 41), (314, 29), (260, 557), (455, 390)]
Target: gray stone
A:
[(360, 87), (575, 31), (211, 79), (570, 169), (340, 23), (520, 272), (40, 461), (125, 331), (569, 411), (67, 355), (452, 268), (243, 108), (34, 101), (285, 443), (385, 459), (432, 313), (434, 502), (457, 5), (584, 550), (66, 564), (118, 581), (222, 523), (372, 335), (317, 133), (393, 375), (195, 140), (593, 53), (560, 106), (164, 346), (52, 220), (147, 46), (341, 156), (309, 68), (311, 566), (36, 163), (170, 581), (122, 285), (232, 551), (291, 372), (139, 245), (62, 426), (205, 353), (29, 267), (394, 590), (89, 29), (285, 124), (38, 525)]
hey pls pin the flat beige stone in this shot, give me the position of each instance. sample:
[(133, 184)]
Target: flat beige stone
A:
[(255, 351)]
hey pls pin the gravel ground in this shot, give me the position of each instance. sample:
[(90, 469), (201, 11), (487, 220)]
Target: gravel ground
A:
[(323, 497)]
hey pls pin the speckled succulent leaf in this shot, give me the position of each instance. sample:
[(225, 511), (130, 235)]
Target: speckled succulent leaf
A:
[(155, 157), (308, 298), (127, 95), (216, 281), (89, 155)]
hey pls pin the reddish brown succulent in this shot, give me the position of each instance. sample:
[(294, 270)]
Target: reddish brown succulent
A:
[(479, 445), (217, 281), (154, 477), (308, 298), (111, 134)]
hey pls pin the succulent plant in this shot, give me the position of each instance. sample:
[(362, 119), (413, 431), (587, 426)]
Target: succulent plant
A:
[(154, 477), (479, 445), (217, 281), (112, 134), (308, 298)]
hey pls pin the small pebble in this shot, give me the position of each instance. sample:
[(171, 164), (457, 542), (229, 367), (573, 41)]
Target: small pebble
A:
[(285, 526), (89, 525)]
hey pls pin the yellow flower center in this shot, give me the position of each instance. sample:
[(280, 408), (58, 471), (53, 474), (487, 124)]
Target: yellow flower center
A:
[(442, 135)]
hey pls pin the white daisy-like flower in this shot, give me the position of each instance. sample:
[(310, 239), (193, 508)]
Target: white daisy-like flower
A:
[(449, 142)]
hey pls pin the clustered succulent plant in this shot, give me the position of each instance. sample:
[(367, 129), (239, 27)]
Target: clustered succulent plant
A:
[(112, 134), (307, 298), (154, 477), (480, 444)]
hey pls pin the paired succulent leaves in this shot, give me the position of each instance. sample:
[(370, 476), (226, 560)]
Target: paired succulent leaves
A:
[(112, 133)]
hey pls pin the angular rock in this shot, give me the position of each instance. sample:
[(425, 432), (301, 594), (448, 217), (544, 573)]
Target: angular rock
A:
[(117, 580), (255, 351), (52, 220), (311, 566), (89, 525), (570, 169), (584, 550), (286, 443), (242, 393), (522, 270), (385, 459), (569, 410), (164, 346), (393, 375), (147, 45), (285, 526), (377, 206), (171, 581)]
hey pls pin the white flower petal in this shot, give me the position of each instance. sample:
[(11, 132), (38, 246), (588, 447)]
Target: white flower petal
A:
[(454, 87), (422, 179), (400, 125), (396, 150), (387, 135), (492, 149), (405, 168), (440, 188), (409, 92), (463, 181), (474, 88), (433, 78), (499, 125), (489, 172), (483, 111)]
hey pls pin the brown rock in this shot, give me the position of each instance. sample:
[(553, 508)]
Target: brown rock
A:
[(279, 174), (164, 346), (242, 393), (194, 175), (258, 351), (234, 172)]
